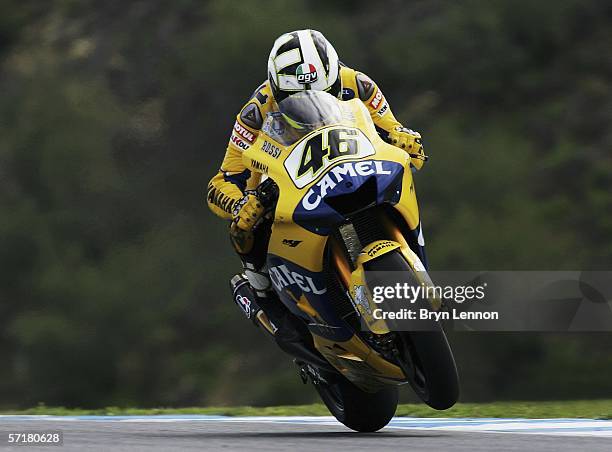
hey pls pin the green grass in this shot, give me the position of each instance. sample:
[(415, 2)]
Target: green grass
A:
[(594, 409)]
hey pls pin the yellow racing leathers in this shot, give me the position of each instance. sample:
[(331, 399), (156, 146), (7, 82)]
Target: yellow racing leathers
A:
[(227, 187)]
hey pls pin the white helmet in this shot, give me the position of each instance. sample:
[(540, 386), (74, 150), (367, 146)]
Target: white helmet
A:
[(302, 60)]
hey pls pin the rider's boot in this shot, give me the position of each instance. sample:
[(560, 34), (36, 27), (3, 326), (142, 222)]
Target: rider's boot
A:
[(253, 292), (264, 307), (245, 298)]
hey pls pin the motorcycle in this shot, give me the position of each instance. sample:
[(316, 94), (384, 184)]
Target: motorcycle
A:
[(341, 203)]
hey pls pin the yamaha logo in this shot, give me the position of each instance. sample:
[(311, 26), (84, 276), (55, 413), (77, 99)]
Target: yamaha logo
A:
[(306, 73)]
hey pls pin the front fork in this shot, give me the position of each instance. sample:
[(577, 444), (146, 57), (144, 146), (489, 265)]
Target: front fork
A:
[(349, 261)]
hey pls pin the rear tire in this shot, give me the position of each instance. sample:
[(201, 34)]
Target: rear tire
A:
[(358, 410)]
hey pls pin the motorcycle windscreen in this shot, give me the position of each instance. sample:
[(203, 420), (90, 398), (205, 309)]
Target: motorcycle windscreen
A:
[(300, 114)]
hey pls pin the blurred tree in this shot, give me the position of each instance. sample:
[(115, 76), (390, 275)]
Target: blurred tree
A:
[(114, 115)]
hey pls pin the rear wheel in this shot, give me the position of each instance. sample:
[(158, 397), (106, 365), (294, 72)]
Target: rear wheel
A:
[(358, 410)]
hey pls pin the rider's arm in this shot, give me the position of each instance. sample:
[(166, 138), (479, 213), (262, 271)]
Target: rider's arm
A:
[(373, 98), (227, 187), (386, 123)]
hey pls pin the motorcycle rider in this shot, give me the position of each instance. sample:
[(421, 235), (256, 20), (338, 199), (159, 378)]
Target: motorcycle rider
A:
[(299, 60)]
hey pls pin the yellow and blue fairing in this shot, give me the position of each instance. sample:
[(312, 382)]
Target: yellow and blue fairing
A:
[(322, 173)]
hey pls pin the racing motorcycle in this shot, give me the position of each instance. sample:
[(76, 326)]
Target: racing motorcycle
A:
[(341, 204)]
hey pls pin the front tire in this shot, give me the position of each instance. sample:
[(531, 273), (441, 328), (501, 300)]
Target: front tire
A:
[(358, 410), (429, 363), (424, 356)]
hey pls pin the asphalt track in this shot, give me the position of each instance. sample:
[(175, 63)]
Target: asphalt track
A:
[(151, 433)]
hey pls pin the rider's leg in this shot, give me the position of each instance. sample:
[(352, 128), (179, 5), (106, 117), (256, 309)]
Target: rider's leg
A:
[(257, 298)]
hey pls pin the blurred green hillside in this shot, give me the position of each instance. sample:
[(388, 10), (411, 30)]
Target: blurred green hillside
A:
[(114, 115)]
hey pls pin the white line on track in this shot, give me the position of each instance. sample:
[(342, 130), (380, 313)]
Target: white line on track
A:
[(556, 427)]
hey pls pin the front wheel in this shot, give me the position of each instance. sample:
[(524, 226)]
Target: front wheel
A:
[(424, 356), (358, 410), (427, 360)]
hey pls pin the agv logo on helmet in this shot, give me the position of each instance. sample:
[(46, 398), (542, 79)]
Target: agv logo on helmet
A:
[(306, 73)]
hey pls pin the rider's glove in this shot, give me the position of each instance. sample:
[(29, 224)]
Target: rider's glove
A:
[(247, 212), (410, 141)]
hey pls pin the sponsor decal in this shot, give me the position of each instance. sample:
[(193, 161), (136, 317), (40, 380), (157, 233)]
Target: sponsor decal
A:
[(347, 94), (220, 200), (379, 246), (282, 278), (323, 149), (383, 110), (361, 300), (365, 87), (374, 103), (251, 116), (269, 148), (273, 126), (278, 127), (291, 243), (239, 142), (244, 133), (259, 166), (245, 304), (306, 73), (337, 174)]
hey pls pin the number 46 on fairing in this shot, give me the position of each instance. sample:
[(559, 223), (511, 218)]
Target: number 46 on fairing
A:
[(310, 157)]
